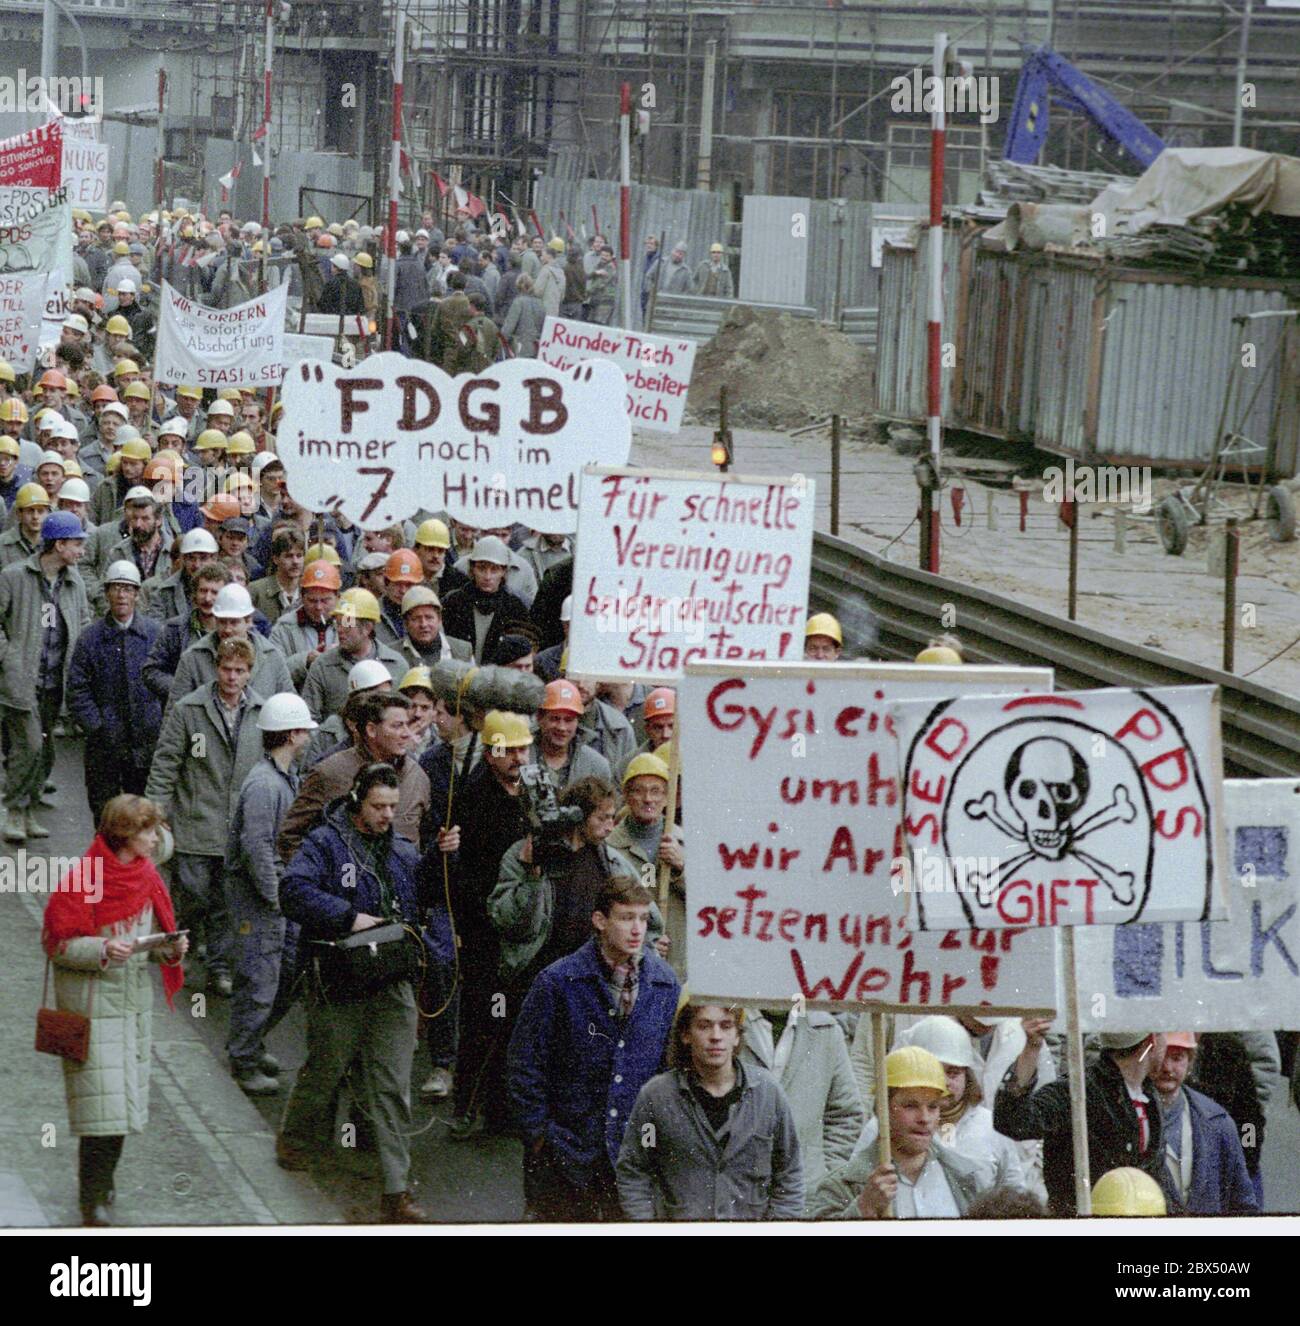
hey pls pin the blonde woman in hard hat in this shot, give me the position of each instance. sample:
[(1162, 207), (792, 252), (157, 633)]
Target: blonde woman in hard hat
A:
[(926, 1180), (965, 1122)]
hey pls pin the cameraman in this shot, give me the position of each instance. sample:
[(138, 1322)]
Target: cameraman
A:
[(548, 883)]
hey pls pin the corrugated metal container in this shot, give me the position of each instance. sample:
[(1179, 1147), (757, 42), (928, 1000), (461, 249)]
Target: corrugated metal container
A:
[(989, 364), (902, 320)]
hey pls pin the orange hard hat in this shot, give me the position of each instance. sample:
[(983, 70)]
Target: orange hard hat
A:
[(403, 567), (103, 393), (661, 702), (562, 695), (321, 574), (220, 508), (53, 378), (1185, 1040)]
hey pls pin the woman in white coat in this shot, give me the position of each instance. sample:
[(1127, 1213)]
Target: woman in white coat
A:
[(965, 1123)]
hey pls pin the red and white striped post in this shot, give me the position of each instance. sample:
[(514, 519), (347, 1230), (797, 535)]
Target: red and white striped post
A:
[(394, 174), (625, 201), (266, 142), (934, 328)]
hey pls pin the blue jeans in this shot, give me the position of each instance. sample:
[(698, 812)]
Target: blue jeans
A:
[(264, 950)]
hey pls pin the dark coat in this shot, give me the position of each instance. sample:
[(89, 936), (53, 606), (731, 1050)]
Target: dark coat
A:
[(107, 692), (458, 618), (556, 586), (573, 1071), (171, 641), (1113, 1130), (1220, 1182)]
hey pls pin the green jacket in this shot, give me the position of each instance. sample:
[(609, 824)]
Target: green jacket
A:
[(198, 666), (196, 774), (21, 631), (523, 904)]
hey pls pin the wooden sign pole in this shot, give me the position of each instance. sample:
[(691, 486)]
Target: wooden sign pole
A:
[(1078, 1092), (884, 1153), (670, 811)]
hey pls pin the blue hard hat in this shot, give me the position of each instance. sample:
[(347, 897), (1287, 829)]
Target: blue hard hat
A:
[(61, 525)]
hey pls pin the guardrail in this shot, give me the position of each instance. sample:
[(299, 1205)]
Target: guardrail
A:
[(698, 318), (860, 325), (1261, 728)]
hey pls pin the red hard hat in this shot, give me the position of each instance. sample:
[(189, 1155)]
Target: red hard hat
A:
[(321, 575), (661, 702), (403, 567), (1185, 1040), (53, 378), (563, 696)]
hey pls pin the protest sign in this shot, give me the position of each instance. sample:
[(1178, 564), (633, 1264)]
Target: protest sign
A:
[(1095, 808), (22, 301), (673, 568), (33, 160), (297, 348), (58, 304), (658, 368), (231, 347), (1238, 974), (85, 166), (393, 435), (790, 788), (327, 324)]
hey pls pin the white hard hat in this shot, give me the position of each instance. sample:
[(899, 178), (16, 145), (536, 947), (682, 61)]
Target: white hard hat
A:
[(369, 672), (74, 490), (233, 602), (945, 1038), (199, 541), (285, 712), (50, 419), (175, 427), (137, 493), (220, 406), (76, 322), (50, 458), (403, 236), (341, 261), (117, 408), (566, 609), (66, 429), (126, 286), (262, 460), (122, 573)]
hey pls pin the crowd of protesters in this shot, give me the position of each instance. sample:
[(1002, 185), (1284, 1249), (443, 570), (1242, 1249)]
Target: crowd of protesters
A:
[(319, 732)]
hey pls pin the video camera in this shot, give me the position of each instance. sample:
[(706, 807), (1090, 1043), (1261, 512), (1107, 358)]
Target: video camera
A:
[(546, 817)]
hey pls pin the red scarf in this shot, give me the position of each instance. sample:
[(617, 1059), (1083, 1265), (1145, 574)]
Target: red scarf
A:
[(127, 889)]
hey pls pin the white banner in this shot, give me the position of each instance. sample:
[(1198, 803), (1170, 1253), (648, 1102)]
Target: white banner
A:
[(1094, 808), (85, 166), (394, 435), (790, 789), (22, 302), (58, 304), (1240, 974), (675, 568), (233, 347), (658, 368), (297, 348)]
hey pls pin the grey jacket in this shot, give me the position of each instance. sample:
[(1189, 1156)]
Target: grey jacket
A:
[(14, 548), (690, 1174), (836, 1197), (297, 643), (198, 666), (197, 773), (817, 1079), (105, 553), (609, 731), (164, 597), (251, 859), (523, 325), (326, 687), (587, 762), (21, 631)]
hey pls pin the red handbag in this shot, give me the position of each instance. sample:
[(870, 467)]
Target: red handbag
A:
[(63, 1033)]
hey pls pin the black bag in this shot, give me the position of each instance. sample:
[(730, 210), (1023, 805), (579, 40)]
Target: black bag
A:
[(352, 969)]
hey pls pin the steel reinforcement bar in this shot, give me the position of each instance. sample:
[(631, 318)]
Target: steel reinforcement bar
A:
[(1261, 728)]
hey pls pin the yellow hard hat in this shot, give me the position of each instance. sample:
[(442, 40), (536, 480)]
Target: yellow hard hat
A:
[(136, 391), (9, 446), (190, 393), (645, 764), (117, 325), (240, 479), (416, 677), (125, 366), (113, 463), (313, 223), (210, 439), (230, 394), (6, 371), (13, 411), (136, 449), (1127, 1192), (31, 494), (939, 654), (911, 1066), (121, 249), (823, 623), (363, 260), (664, 754), (72, 470), (325, 550), (241, 444), (556, 245), (505, 731), (73, 390), (359, 604), (433, 534)]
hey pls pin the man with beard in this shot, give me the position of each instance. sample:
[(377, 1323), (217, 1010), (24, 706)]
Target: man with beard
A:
[(142, 544), (170, 596)]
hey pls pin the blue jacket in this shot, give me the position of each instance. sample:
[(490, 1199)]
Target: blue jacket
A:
[(9, 491), (264, 798), (1220, 1183), (107, 693), (324, 898), (573, 1073), (174, 638)]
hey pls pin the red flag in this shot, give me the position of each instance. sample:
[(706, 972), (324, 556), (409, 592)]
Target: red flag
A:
[(440, 182), (260, 131), (476, 206)]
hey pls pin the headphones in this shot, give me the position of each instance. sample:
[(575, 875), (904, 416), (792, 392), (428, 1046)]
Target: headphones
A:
[(362, 783)]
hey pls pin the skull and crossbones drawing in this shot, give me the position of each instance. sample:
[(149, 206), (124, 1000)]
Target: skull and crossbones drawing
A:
[(1046, 782)]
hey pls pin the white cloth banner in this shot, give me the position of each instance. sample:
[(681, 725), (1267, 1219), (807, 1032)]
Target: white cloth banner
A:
[(1241, 974), (658, 368), (675, 568), (233, 347), (790, 782), (22, 303), (85, 166)]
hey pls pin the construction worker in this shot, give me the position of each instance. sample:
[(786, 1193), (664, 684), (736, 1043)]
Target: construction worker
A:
[(278, 592), (304, 633), (423, 640), (713, 276), (823, 639), (563, 757), (942, 649), (925, 1180), (170, 596), (658, 716), (12, 474), (1127, 1192), (402, 570), (356, 617), (1203, 1152)]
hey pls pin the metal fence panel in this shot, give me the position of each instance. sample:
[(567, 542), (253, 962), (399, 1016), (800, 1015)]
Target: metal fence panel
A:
[(774, 249), (698, 319)]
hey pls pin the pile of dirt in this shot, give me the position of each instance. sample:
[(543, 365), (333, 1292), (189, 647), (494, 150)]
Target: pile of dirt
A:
[(780, 372)]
